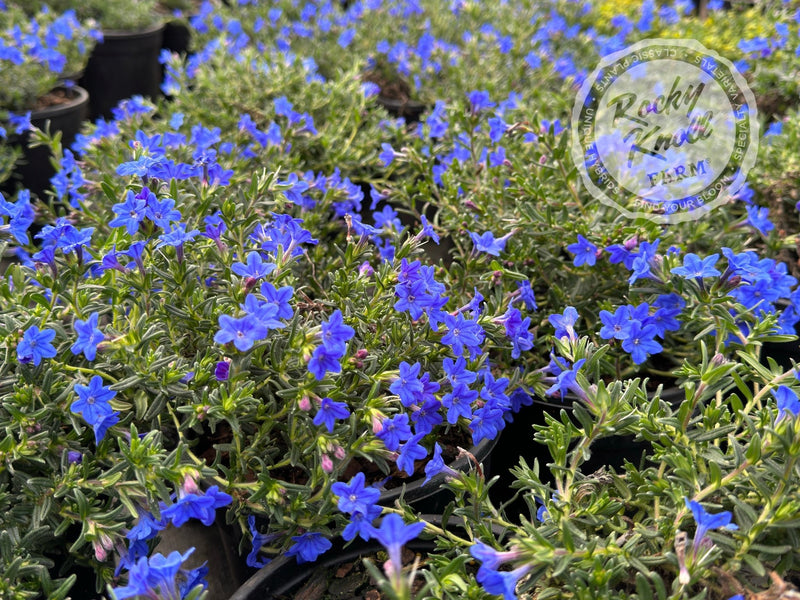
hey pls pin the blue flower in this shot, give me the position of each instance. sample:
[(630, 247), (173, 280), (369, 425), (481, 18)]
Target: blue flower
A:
[(585, 252), (255, 267), (486, 422), (259, 539), (242, 332), (459, 402), (280, 298), (335, 333), (407, 385), (102, 424), (410, 452), (566, 381), (93, 400), (617, 325), (309, 546), (565, 323), (479, 100), (394, 430), (89, 336), (436, 465), (694, 266), (486, 242), (329, 411), (759, 218), (462, 333), (35, 345), (788, 404), (457, 372), (393, 534), (707, 521), (354, 497), (640, 342)]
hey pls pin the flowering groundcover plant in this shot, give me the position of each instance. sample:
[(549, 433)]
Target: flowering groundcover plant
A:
[(227, 308)]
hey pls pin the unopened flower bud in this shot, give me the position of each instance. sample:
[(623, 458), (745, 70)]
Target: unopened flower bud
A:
[(361, 354), (222, 370), (304, 404), (631, 243), (327, 463), (338, 452)]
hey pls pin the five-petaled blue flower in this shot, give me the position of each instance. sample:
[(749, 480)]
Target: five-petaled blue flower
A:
[(309, 546), (329, 411), (585, 252), (699, 268), (354, 497), (242, 332), (89, 336), (93, 400), (35, 345)]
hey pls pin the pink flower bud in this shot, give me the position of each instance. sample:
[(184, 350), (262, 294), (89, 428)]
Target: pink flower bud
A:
[(327, 463), (377, 424), (304, 404), (339, 452)]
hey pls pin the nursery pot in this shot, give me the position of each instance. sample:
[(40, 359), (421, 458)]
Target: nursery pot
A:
[(430, 497), (410, 110), (125, 64), (177, 37), (609, 452), (216, 545), (284, 577), (782, 353), (34, 170)]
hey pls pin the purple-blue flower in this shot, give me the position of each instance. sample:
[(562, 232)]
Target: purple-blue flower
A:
[(696, 267), (788, 404), (35, 345), (89, 336), (255, 267), (93, 400), (585, 252), (309, 546), (409, 452), (355, 497), (329, 411), (242, 332)]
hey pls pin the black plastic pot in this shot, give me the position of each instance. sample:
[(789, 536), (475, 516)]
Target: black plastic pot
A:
[(177, 37), (283, 576), (410, 110), (34, 169), (609, 452), (430, 497), (783, 353), (125, 64)]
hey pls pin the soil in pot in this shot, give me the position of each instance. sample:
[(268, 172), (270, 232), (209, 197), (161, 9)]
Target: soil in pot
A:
[(349, 581), (395, 96)]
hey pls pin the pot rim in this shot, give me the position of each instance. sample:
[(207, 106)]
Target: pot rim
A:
[(81, 97), (338, 552), (130, 33), (480, 451)]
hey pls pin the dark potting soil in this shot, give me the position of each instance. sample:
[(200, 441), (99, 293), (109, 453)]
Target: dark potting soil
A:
[(349, 581), (55, 98)]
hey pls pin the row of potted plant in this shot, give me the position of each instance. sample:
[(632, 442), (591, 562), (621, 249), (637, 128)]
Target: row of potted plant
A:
[(268, 302)]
